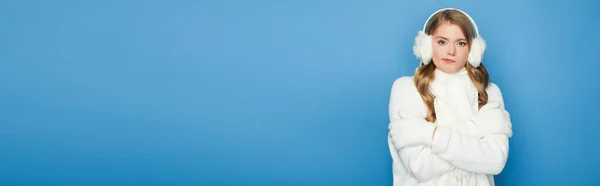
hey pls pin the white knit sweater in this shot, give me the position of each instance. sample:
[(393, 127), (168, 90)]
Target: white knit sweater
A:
[(463, 152)]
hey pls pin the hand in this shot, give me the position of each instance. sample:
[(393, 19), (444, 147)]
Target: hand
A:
[(445, 117), (492, 119), (411, 132)]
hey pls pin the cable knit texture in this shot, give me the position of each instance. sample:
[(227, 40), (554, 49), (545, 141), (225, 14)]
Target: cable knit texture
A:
[(470, 145)]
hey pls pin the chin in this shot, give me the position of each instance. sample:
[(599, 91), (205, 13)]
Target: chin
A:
[(450, 68)]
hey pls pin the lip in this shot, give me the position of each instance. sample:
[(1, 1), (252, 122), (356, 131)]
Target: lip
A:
[(448, 60)]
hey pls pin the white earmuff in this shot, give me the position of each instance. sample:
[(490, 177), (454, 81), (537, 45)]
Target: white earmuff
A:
[(423, 48)]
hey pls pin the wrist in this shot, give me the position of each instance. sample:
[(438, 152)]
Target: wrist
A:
[(441, 139)]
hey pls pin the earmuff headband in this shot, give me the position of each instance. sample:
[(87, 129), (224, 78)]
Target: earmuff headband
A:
[(423, 48), (470, 19)]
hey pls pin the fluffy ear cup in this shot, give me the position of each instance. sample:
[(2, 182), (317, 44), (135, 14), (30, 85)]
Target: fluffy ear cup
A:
[(477, 50), (423, 46)]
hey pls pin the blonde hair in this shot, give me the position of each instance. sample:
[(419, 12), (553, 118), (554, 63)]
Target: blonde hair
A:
[(424, 75)]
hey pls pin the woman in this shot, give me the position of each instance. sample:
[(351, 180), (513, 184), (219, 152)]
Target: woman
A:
[(448, 125)]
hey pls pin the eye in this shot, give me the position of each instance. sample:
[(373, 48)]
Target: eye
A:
[(441, 42), (462, 43)]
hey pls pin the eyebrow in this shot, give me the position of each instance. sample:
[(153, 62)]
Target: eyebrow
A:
[(461, 39)]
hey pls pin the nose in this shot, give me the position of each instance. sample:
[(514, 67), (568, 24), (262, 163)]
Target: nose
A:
[(451, 50)]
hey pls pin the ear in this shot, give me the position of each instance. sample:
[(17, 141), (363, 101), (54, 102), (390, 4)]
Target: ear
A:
[(477, 50), (422, 47)]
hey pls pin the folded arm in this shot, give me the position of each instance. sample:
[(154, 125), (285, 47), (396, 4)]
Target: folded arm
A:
[(419, 160), (486, 153)]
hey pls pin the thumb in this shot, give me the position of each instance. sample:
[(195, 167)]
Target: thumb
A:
[(392, 125)]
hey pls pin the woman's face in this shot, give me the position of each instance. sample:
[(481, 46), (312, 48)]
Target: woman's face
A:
[(450, 48)]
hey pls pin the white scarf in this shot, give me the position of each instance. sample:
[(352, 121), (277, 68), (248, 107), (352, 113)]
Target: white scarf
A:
[(456, 83)]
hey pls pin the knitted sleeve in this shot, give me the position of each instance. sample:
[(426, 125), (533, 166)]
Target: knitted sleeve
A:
[(419, 161), (485, 155)]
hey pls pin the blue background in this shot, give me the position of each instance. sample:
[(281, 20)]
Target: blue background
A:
[(271, 92)]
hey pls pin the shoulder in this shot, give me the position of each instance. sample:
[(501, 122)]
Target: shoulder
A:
[(404, 97), (493, 90), (404, 83), (404, 91)]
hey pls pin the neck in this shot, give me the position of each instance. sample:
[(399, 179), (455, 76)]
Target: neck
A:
[(441, 75), (448, 86), (439, 83)]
